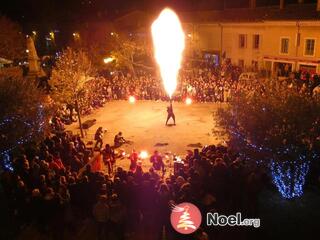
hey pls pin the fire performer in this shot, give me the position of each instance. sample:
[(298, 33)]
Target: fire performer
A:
[(169, 43), (170, 114)]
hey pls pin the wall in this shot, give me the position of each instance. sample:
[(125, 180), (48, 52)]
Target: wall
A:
[(203, 37), (208, 38), (231, 32)]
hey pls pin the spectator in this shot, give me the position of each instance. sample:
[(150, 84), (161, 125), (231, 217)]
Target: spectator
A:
[(101, 216)]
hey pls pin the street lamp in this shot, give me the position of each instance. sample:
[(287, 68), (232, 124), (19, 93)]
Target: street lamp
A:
[(51, 35), (108, 60), (76, 36)]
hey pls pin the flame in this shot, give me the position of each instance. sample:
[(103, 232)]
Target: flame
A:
[(143, 154), (132, 99), (188, 101), (169, 42)]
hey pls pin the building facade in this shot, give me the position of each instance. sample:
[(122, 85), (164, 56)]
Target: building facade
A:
[(277, 40)]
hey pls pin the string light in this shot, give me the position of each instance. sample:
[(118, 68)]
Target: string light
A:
[(36, 127), (288, 176), (6, 162)]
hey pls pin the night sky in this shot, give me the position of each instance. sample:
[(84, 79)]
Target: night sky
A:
[(72, 10)]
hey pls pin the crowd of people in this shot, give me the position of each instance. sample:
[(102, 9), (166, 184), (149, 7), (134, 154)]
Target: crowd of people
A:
[(54, 187), (201, 83)]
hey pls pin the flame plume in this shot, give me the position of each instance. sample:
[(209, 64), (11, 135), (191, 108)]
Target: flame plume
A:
[(169, 42)]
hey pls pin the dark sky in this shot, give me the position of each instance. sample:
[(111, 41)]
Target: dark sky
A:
[(72, 10)]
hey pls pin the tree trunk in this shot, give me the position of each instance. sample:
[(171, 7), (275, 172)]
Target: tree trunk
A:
[(79, 118), (132, 70), (132, 67)]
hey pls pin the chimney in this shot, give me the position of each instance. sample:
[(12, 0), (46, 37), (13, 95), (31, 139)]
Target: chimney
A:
[(253, 4), (281, 5), (318, 6)]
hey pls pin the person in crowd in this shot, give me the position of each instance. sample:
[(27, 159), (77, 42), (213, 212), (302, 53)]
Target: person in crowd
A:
[(119, 140), (98, 136), (134, 156), (157, 162), (101, 213), (117, 216), (108, 158)]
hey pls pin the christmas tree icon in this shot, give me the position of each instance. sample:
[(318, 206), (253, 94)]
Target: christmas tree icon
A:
[(185, 221)]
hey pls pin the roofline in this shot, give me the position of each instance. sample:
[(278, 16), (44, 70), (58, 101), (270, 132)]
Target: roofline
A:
[(271, 6), (264, 22)]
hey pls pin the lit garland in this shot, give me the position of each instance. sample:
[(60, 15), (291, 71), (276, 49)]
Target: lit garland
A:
[(289, 163), (7, 164), (288, 176), (38, 124)]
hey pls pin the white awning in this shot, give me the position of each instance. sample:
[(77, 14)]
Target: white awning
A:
[(5, 61)]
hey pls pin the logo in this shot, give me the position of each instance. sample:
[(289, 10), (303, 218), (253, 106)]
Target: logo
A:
[(214, 219), (185, 218)]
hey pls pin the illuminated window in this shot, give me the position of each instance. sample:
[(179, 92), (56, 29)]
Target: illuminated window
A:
[(284, 48), (242, 41), (309, 47), (256, 41)]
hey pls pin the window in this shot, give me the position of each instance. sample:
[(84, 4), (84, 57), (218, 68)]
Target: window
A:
[(242, 41), (309, 47), (254, 65), (284, 45), (298, 36), (256, 41), (241, 63)]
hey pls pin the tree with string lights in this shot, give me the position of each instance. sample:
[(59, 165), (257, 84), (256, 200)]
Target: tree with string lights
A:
[(276, 127), (23, 116)]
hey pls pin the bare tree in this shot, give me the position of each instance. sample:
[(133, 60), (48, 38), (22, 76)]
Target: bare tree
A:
[(12, 44), (71, 72), (131, 52)]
